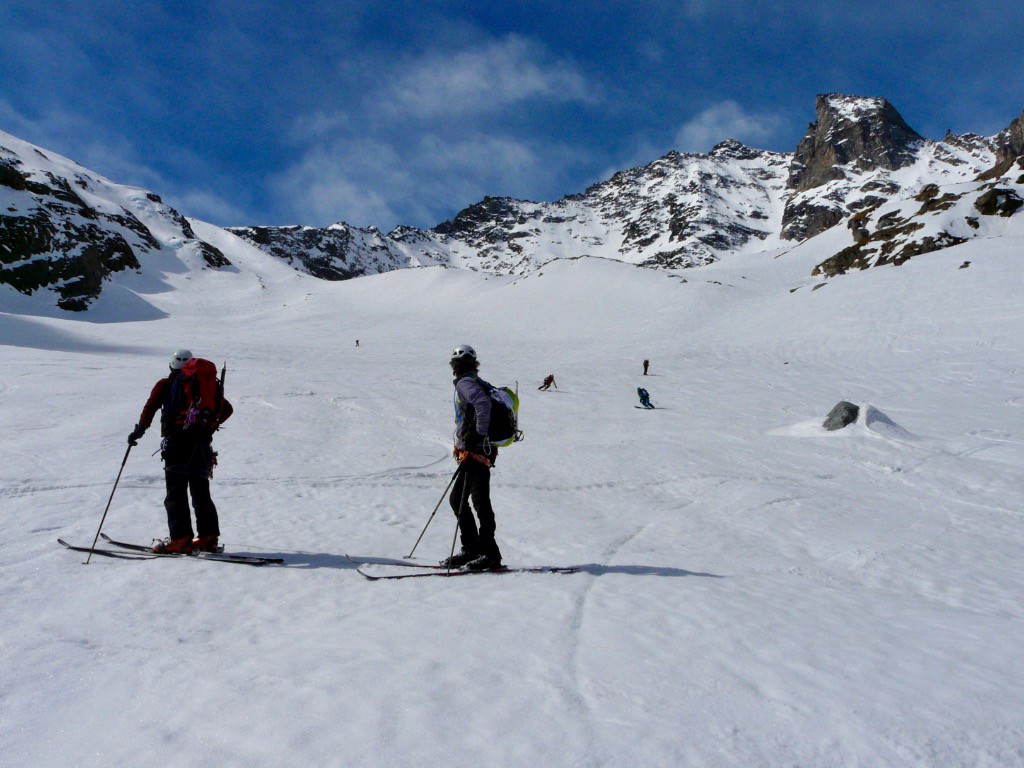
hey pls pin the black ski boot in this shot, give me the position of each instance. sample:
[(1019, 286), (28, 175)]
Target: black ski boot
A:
[(484, 563), (459, 559)]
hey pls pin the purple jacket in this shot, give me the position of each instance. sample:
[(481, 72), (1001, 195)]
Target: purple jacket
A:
[(472, 413)]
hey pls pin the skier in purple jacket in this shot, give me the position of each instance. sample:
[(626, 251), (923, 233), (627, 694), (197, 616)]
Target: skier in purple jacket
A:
[(476, 456)]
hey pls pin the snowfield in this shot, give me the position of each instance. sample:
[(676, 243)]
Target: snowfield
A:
[(754, 592)]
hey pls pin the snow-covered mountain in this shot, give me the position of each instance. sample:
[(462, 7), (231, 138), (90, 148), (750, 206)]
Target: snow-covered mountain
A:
[(66, 230), (682, 210)]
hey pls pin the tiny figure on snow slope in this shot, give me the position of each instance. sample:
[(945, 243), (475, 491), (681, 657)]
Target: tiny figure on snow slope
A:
[(476, 456), (645, 397), (187, 424), (647, 364), (548, 381)]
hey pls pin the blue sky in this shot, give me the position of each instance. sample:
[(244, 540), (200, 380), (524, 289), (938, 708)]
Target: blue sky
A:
[(381, 113)]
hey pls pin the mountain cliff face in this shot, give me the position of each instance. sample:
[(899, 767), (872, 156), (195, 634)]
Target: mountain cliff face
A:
[(859, 153), (65, 230)]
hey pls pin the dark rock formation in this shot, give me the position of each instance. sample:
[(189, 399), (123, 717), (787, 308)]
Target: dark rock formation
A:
[(51, 238), (843, 414), (1010, 141), (864, 133), (998, 202), (851, 135)]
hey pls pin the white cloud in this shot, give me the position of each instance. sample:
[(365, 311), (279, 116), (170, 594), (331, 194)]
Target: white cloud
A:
[(485, 78), (725, 120)]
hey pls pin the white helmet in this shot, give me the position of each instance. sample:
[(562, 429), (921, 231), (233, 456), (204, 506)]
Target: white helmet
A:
[(463, 352), (181, 357)]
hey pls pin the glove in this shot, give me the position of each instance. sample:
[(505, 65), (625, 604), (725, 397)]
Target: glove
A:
[(138, 432)]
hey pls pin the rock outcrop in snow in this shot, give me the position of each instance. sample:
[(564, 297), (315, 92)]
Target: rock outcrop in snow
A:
[(65, 230), (936, 218)]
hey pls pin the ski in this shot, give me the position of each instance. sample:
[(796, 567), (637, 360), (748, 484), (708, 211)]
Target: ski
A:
[(104, 552), (399, 563), (435, 571), (221, 556)]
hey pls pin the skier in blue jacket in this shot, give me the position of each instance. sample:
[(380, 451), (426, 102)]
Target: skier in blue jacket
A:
[(476, 456), (645, 397)]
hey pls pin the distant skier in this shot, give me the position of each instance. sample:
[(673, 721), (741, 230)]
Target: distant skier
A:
[(647, 364), (476, 456), (548, 381), (187, 451), (645, 397), (357, 342)]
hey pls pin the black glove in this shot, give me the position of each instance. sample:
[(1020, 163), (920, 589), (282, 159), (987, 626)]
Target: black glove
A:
[(138, 432)]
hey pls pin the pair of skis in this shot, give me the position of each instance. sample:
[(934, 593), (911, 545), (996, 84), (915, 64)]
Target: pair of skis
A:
[(127, 551), (441, 570)]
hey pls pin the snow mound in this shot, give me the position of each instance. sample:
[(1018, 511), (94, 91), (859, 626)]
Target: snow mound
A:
[(876, 421), (870, 421)]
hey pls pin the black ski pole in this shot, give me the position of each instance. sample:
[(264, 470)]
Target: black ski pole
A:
[(429, 519), (102, 519), (458, 521)]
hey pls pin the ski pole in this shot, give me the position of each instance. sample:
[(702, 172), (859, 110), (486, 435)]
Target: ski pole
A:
[(450, 482), (102, 519), (458, 521)]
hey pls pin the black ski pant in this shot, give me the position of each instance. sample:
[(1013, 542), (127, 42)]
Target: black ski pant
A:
[(474, 484), (187, 465)]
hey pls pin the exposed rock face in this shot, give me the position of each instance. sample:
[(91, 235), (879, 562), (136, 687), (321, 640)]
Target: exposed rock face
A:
[(338, 252), (863, 133), (842, 414), (934, 219), (861, 153), (1010, 141), (999, 202), (81, 246), (66, 231)]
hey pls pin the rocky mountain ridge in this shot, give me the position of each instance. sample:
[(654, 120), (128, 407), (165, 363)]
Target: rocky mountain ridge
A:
[(66, 230), (686, 210)]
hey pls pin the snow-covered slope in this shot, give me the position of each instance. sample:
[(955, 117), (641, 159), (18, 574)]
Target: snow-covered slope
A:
[(754, 592)]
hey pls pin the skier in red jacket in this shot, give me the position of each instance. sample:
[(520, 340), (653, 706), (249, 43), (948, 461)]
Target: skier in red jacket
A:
[(187, 451)]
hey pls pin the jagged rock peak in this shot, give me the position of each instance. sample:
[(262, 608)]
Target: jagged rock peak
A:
[(489, 209), (863, 132), (839, 107), (731, 149), (1010, 141)]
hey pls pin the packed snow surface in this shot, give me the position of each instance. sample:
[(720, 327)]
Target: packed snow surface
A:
[(754, 591)]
